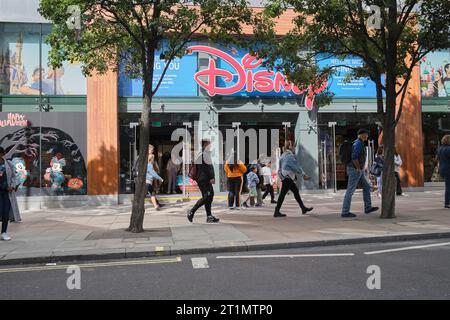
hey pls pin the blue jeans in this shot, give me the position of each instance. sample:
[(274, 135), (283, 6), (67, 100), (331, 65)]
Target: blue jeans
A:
[(355, 177)]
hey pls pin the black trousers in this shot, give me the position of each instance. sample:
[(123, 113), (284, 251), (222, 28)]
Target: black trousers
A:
[(234, 191), (207, 191), (5, 207), (269, 189), (447, 190), (288, 184), (399, 186)]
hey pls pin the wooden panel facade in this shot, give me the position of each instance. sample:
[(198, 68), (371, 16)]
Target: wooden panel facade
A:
[(409, 136), (103, 134)]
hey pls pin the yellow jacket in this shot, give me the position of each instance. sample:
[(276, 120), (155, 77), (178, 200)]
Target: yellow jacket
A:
[(238, 171)]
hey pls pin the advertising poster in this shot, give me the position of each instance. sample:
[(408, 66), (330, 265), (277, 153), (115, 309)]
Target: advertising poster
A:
[(177, 82), (21, 73), (435, 75), (337, 84)]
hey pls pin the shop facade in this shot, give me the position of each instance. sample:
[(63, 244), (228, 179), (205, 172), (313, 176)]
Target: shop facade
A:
[(80, 135)]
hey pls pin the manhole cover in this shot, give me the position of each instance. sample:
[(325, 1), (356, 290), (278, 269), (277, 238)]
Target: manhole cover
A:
[(122, 234)]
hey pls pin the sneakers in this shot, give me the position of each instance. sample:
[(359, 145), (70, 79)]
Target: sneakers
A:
[(348, 215), (371, 210), (212, 219), (190, 216), (245, 205), (279, 215), (306, 210), (6, 237), (258, 205), (273, 201)]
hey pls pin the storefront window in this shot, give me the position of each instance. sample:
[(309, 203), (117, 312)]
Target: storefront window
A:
[(435, 126), (42, 128)]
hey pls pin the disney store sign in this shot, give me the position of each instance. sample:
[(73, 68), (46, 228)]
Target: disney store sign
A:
[(245, 75)]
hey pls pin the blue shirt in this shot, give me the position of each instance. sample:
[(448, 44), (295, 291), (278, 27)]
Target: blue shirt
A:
[(252, 179), (151, 174), (357, 147)]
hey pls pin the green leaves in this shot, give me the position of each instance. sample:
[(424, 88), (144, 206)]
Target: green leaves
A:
[(130, 32)]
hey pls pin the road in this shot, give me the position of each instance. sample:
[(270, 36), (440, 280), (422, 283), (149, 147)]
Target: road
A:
[(419, 270)]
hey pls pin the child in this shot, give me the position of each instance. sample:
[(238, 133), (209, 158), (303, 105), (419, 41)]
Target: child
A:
[(252, 181), (268, 182)]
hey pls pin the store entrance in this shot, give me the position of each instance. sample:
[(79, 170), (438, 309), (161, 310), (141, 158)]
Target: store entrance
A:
[(334, 129), (163, 125)]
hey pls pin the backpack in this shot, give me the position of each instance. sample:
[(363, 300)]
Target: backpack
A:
[(194, 172), (376, 169), (345, 152)]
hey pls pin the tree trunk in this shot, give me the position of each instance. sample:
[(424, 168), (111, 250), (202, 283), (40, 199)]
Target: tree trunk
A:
[(388, 178), (138, 209)]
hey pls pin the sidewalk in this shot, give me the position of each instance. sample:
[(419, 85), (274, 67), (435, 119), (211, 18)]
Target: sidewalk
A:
[(98, 232)]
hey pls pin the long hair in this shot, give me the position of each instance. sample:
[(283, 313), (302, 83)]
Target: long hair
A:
[(446, 140)]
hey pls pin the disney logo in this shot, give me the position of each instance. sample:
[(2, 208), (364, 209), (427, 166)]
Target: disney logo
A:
[(246, 77)]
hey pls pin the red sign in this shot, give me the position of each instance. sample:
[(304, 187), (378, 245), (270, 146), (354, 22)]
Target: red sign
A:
[(248, 78)]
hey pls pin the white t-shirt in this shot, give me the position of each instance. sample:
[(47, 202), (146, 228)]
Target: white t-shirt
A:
[(267, 173)]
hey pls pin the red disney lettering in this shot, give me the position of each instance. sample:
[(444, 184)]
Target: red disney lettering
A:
[(246, 77)]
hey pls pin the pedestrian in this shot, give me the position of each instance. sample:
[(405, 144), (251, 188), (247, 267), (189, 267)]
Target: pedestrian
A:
[(444, 166), (268, 182), (356, 162), (289, 168), (235, 171), (398, 163), (150, 177), (252, 182), (172, 170), (379, 163), (7, 192), (205, 178)]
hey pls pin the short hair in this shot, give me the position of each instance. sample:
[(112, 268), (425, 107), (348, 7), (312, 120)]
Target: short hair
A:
[(37, 70), (446, 140), (253, 167), (447, 66)]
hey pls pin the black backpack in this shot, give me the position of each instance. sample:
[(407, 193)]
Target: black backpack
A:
[(345, 152)]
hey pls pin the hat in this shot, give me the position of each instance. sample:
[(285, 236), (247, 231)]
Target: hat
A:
[(362, 131)]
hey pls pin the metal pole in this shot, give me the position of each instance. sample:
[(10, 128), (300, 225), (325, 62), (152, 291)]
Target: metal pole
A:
[(236, 125), (334, 158), (187, 125), (324, 142), (332, 125)]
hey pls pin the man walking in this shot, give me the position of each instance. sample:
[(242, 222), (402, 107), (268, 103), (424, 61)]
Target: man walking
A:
[(355, 172), (205, 180)]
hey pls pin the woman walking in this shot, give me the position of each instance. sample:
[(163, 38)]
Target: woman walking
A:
[(7, 191), (150, 177), (379, 163), (398, 163), (235, 171), (289, 168), (444, 166)]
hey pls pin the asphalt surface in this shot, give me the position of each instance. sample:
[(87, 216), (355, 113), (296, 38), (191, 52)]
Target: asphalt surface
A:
[(420, 273)]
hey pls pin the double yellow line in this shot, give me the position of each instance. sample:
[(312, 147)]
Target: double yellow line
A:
[(93, 265)]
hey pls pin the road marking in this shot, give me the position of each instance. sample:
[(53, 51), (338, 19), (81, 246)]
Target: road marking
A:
[(200, 263), (93, 265), (289, 256), (408, 248)]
